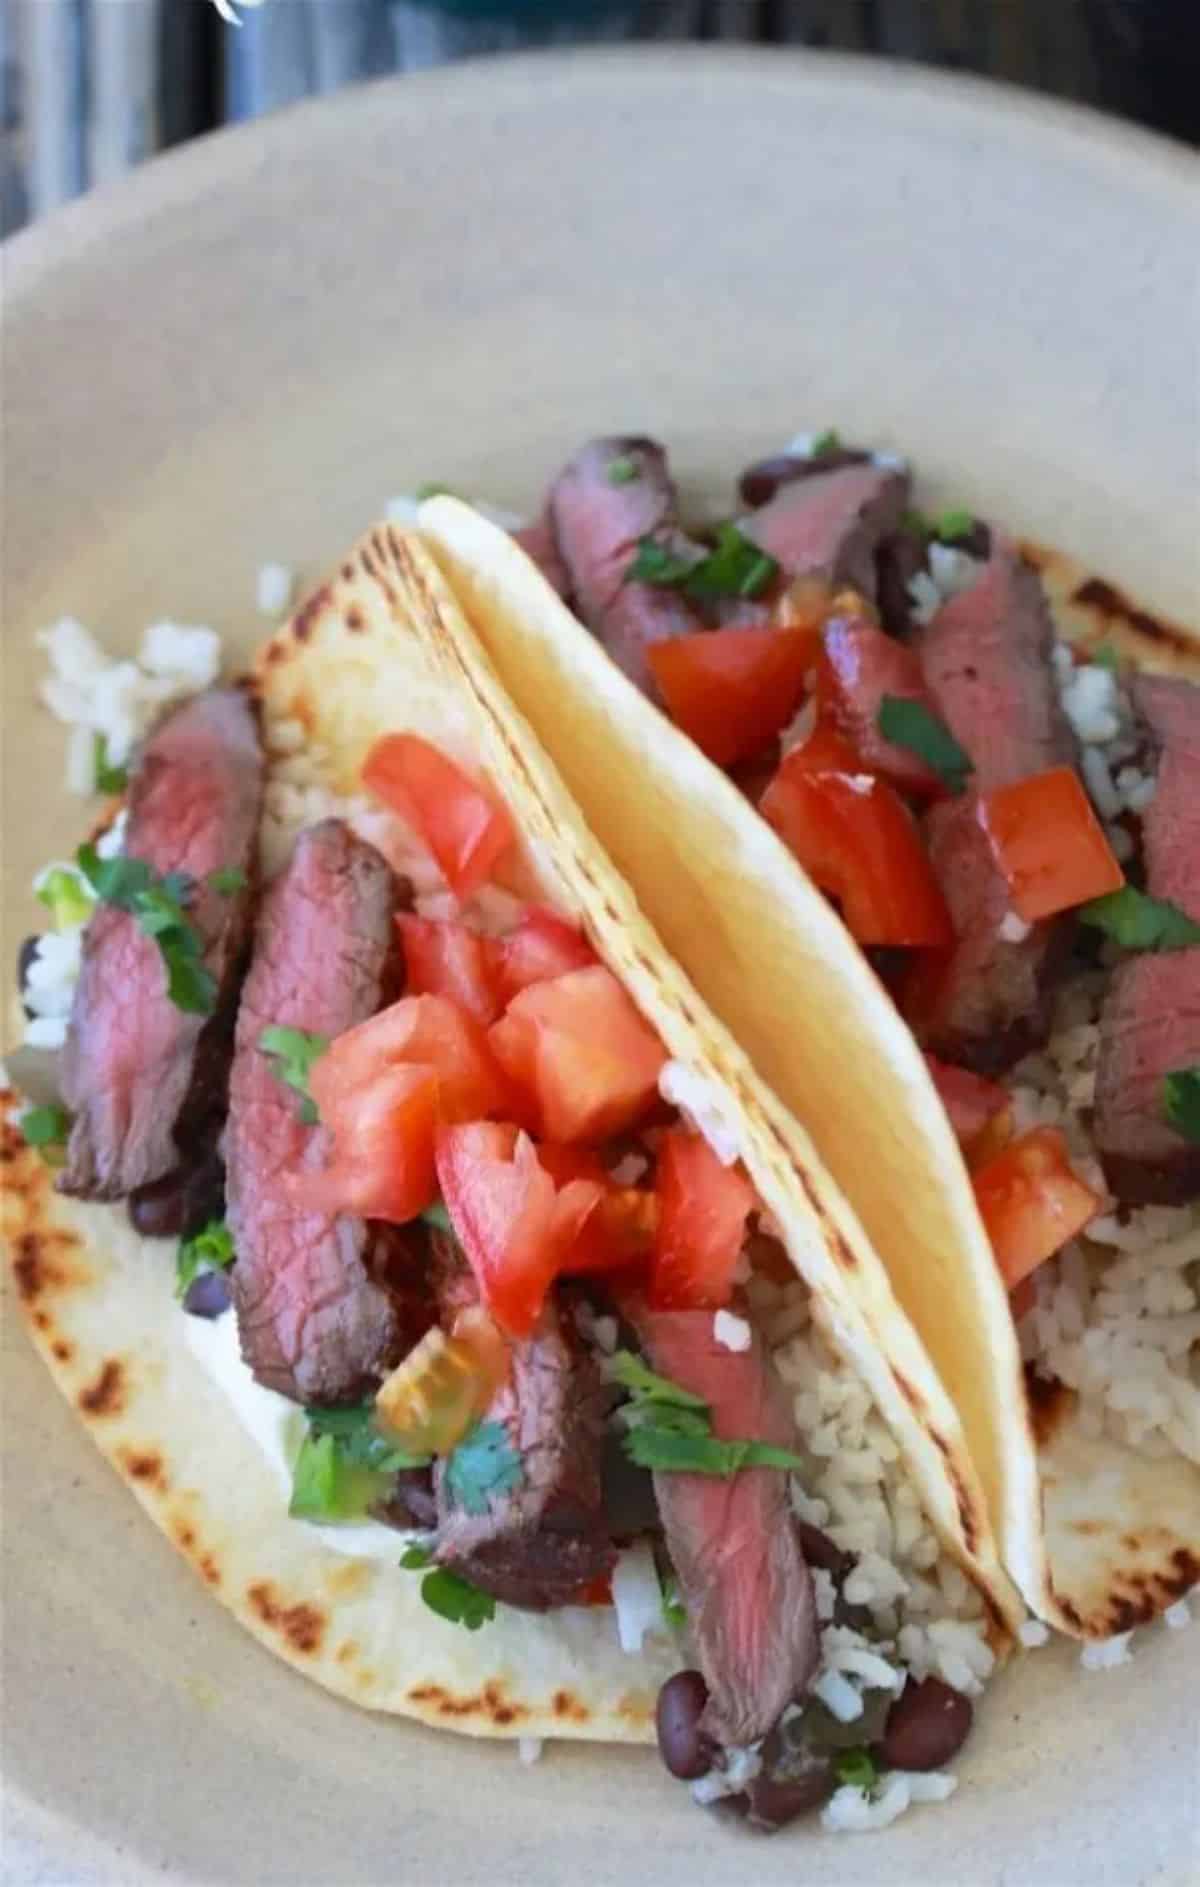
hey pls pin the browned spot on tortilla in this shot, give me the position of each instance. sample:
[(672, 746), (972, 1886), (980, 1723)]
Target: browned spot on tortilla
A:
[(567, 1706), (969, 1524), (911, 1396), (348, 572), (346, 1652), (185, 1535), (1050, 1402), (274, 652), (491, 1703), (302, 1625), (354, 619), (209, 1569), (842, 1250), (505, 1714), (306, 616), (145, 1465), (41, 1320), (344, 1581), (1088, 1527), (105, 1396), (364, 1679), (63, 1350), (33, 1268), (1095, 593)]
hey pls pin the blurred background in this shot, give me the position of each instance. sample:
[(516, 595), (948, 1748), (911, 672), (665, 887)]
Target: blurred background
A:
[(91, 87)]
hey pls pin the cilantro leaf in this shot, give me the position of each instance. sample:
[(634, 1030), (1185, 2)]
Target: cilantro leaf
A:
[(227, 881), (826, 442), (912, 725), (1181, 1102), (343, 1465), (67, 898), (208, 1250), (674, 1609), (623, 471), (456, 1599), (433, 488), (1136, 921), (650, 1445), (295, 1051), (156, 905), (950, 527), (734, 567), (415, 1556), (437, 1216), (645, 1386), (857, 1768), (484, 1463), (1105, 656), (361, 1444), (916, 524), (654, 563), (107, 778), (45, 1126)]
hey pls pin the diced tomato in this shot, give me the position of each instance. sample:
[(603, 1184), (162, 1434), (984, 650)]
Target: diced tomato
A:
[(443, 958), (703, 1208), (859, 666), (419, 1032), (383, 1135), (541, 947), (598, 1591), (976, 1106), (620, 1232), (732, 690), (1032, 1202), (511, 1220), (1022, 1298), (1049, 843), (580, 1049), (857, 839), (463, 825)]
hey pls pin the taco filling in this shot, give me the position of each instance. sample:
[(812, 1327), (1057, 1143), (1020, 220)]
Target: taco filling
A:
[(456, 1229), (1009, 828)]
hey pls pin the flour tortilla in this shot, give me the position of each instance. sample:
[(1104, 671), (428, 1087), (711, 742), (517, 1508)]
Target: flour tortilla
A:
[(1096, 1536), (383, 648)]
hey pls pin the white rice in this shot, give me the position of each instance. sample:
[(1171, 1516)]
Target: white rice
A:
[(273, 589), (1102, 718), (637, 1596), (857, 1811), (732, 1333), (704, 1105), (950, 572), (91, 693)]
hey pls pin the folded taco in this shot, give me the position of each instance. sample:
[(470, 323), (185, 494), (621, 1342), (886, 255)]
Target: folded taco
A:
[(989, 765), (520, 1369)]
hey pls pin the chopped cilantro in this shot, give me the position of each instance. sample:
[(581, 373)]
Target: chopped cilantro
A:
[(674, 1609), (916, 524), (295, 1051), (1105, 656), (623, 471), (360, 1442), (1136, 921), (826, 442), (912, 725), (208, 1250), (434, 489), (651, 1445), (1181, 1102), (66, 896), (227, 881), (437, 1216), (645, 1386), (157, 906), (734, 567), (45, 1126), (950, 527), (449, 1595), (107, 778), (857, 1768), (343, 1465), (484, 1463)]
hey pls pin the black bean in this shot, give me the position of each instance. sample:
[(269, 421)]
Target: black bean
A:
[(776, 1800), (685, 1750), (157, 1210), (25, 956), (209, 1294), (926, 1726), (819, 1550)]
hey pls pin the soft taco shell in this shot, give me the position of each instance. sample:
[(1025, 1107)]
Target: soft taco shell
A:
[(380, 648), (1095, 1536)]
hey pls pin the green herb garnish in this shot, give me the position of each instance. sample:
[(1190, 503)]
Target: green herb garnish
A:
[(647, 1388), (673, 1607), (1136, 921), (344, 1464), (67, 898), (484, 1463), (916, 524), (361, 1443), (107, 778), (227, 881), (437, 1216), (1105, 656), (45, 1126), (433, 489), (950, 527), (157, 906), (1181, 1102), (448, 1595), (671, 1429), (295, 1051), (912, 725), (623, 471), (857, 1768), (734, 567), (209, 1250), (826, 442)]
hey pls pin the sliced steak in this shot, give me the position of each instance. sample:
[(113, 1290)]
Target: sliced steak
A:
[(538, 1544), (538, 542), (609, 496), (763, 480), (866, 665), (733, 1543), (986, 661), (145, 1080), (830, 526), (314, 1323), (1150, 1024)]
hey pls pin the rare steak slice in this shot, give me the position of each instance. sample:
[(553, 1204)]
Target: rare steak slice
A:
[(613, 493), (733, 1542), (830, 526), (1150, 1023), (538, 542), (538, 1543), (142, 1077), (986, 661), (314, 1322)]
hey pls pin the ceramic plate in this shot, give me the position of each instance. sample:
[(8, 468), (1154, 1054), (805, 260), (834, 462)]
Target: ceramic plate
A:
[(240, 356)]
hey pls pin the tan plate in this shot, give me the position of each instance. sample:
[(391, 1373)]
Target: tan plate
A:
[(239, 358)]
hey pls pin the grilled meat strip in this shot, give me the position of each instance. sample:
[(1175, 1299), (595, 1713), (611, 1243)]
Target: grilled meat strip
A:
[(144, 1079), (314, 1323), (1150, 1024), (830, 525)]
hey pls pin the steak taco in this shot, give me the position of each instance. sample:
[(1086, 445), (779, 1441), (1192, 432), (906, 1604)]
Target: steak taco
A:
[(981, 994), (519, 1369)]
